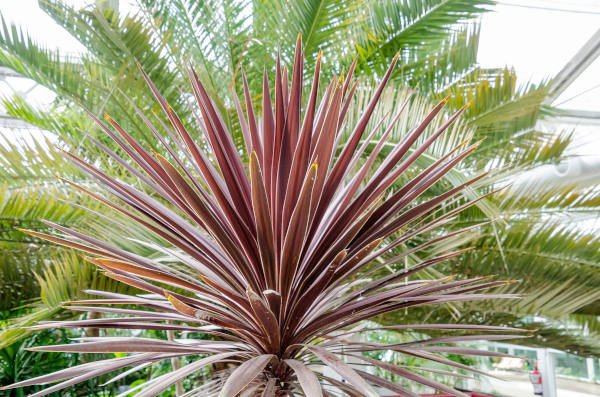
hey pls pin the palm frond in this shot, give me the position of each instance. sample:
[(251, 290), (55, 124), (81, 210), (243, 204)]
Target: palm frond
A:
[(502, 114), (63, 277), (326, 25), (417, 108), (557, 267), (442, 65), (28, 157), (181, 26), (411, 27), (20, 53), (60, 122), (17, 269), (24, 207)]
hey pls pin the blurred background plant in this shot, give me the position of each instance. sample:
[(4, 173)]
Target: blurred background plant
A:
[(535, 238)]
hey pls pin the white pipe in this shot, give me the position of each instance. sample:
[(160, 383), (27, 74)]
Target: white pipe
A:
[(546, 367)]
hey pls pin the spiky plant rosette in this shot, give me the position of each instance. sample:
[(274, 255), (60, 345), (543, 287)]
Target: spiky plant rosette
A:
[(264, 256)]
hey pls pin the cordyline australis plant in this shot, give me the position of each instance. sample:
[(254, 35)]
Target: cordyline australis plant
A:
[(264, 251)]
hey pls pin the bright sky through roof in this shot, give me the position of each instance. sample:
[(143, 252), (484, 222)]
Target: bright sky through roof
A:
[(537, 42), (538, 38), (28, 15)]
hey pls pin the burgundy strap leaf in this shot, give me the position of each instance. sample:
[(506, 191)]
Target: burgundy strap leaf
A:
[(264, 228), (344, 370), (244, 374), (165, 381), (307, 378)]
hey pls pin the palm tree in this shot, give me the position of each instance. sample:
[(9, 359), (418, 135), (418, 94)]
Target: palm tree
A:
[(438, 42)]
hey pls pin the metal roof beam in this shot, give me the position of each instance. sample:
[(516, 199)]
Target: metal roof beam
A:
[(574, 115), (584, 57)]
